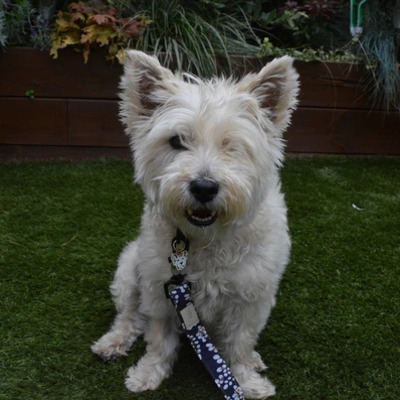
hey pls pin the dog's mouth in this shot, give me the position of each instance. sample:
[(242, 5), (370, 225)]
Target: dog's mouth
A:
[(201, 216)]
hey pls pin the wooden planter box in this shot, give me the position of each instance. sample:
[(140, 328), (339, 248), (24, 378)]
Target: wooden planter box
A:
[(74, 113)]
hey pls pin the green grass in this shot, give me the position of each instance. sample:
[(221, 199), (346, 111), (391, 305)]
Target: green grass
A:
[(334, 334)]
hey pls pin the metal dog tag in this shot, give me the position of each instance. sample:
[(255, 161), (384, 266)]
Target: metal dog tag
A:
[(178, 260)]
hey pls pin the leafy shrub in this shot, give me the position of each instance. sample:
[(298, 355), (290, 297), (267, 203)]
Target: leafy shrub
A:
[(307, 24), (191, 34), (318, 30), (24, 23), (376, 47), (308, 54), (89, 25), (194, 34)]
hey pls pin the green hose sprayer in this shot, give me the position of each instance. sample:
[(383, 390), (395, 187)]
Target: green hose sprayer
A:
[(356, 16)]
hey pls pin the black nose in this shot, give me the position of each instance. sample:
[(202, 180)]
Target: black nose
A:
[(204, 190)]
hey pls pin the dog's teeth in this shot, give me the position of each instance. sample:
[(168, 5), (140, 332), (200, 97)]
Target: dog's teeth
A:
[(201, 219), (201, 216)]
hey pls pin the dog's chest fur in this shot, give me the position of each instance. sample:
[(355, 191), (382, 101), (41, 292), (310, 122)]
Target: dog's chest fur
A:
[(244, 265)]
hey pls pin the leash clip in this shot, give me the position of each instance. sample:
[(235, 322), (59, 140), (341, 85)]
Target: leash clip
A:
[(175, 280)]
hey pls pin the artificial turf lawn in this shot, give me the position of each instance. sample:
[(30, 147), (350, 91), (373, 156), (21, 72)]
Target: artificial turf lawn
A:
[(334, 334)]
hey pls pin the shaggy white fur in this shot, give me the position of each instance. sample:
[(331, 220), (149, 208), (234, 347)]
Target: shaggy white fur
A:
[(207, 155)]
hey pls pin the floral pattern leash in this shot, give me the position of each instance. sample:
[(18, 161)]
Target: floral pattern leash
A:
[(181, 299)]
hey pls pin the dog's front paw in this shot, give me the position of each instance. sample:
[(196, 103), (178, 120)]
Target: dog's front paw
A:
[(254, 385), (257, 362), (112, 346), (263, 389), (140, 378)]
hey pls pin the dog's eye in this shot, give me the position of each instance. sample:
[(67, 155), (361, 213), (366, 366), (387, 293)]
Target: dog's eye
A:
[(176, 143)]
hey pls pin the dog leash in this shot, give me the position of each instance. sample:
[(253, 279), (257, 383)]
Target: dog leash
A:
[(181, 299)]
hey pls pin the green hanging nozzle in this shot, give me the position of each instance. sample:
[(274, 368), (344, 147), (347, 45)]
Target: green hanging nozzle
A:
[(356, 17)]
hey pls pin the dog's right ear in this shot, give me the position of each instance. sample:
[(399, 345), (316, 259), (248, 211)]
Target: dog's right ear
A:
[(145, 85)]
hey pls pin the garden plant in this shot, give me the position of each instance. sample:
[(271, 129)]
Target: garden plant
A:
[(192, 35)]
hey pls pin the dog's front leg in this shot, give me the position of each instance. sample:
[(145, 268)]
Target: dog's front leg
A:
[(129, 322), (246, 320), (162, 337)]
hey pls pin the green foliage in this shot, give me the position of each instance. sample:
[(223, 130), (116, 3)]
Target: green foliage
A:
[(89, 25), (378, 51), (3, 32), (307, 54), (22, 23), (319, 31), (194, 35), (292, 20), (334, 333), (376, 47), (30, 94), (307, 30), (307, 24)]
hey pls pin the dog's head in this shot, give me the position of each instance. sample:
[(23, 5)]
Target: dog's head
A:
[(205, 152)]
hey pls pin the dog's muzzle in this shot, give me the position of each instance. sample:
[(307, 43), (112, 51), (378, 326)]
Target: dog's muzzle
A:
[(204, 190)]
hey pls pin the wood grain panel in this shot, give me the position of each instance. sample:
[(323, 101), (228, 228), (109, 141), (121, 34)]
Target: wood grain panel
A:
[(95, 123), (75, 105), (344, 131), (23, 69), (27, 152), (332, 85), (24, 121), (322, 85)]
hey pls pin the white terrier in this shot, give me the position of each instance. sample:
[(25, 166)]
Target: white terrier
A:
[(207, 155)]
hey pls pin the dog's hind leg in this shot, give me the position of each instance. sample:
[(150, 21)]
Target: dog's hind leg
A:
[(129, 322)]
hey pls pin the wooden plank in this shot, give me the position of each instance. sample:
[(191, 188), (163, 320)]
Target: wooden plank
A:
[(24, 121), (67, 77), (312, 131), (95, 122), (344, 131), (336, 85), (332, 85), (33, 153)]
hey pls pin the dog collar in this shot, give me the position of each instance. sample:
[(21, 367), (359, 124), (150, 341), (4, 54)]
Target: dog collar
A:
[(181, 299)]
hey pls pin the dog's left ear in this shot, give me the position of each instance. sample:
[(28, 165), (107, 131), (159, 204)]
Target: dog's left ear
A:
[(276, 88)]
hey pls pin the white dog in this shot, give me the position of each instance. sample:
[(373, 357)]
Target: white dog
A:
[(207, 155)]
